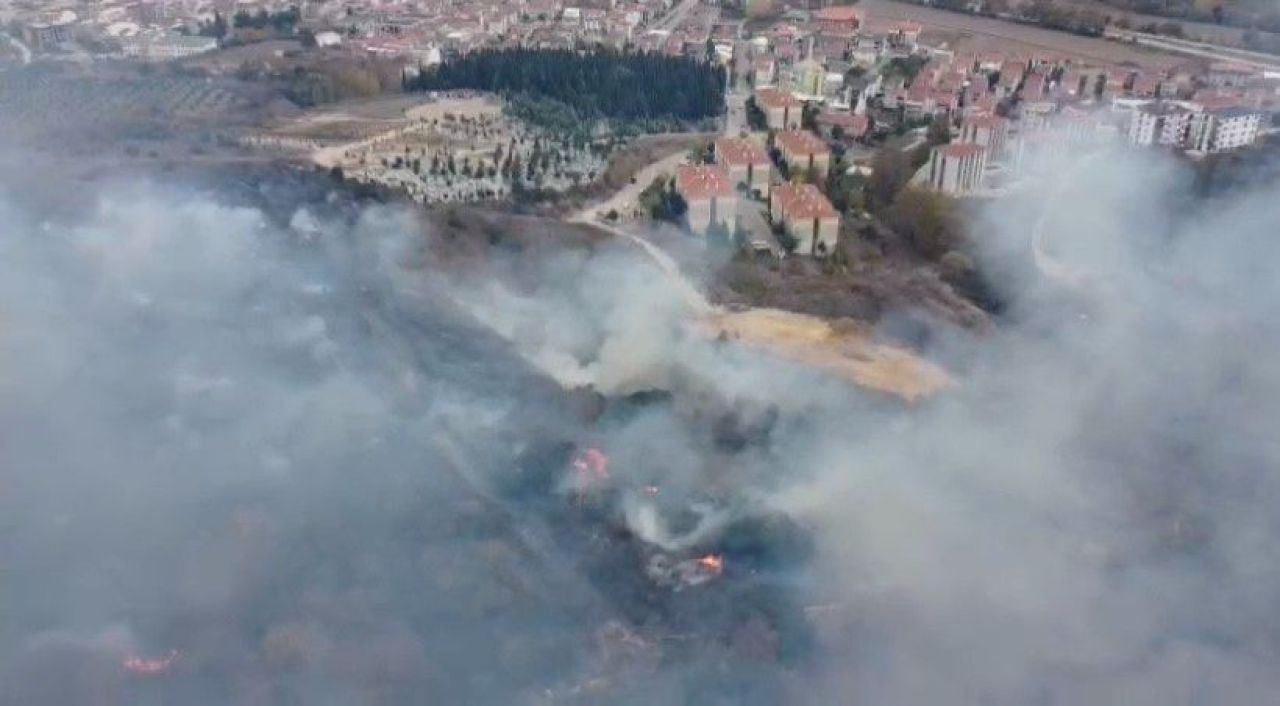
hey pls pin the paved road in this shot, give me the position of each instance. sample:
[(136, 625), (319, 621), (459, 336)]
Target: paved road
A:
[(1209, 51), (675, 16)]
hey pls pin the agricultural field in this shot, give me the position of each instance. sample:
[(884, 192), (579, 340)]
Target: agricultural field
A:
[(968, 33), (62, 109)]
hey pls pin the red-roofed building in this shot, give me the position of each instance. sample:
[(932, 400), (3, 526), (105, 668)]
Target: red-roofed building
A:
[(709, 193), (957, 168), (984, 105), (838, 19), (905, 34), (746, 162), (803, 152), (807, 216), (782, 110), (841, 124)]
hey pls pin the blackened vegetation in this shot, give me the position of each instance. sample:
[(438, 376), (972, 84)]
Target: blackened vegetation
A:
[(438, 553), (747, 618), (593, 85)]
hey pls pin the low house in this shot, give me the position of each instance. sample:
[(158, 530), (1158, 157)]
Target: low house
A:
[(746, 161), (804, 152), (708, 192), (782, 110), (807, 216)]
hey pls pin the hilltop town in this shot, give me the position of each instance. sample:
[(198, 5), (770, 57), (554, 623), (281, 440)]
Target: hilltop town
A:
[(838, 133)]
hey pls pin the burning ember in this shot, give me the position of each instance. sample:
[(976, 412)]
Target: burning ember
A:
[(150, 666), (677, 576), (712, 563)]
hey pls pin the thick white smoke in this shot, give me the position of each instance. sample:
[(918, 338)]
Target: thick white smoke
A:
[(215, 429)]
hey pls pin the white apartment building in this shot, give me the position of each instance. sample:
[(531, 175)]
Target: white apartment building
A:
[(1223, 130), (1159, 124), (957, 168)]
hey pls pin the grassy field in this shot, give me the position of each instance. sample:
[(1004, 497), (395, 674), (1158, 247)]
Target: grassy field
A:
[(967, 33)]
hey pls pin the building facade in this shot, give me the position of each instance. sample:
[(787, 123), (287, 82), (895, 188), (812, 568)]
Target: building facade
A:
[(746, 162), (807, 217), (1223, 130), (709, 194), (782, 111), (957, 168), (804, 152)]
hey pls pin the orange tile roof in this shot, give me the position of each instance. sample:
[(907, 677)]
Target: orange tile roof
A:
[(702, 182), (800, 142), (803, 201), (839, 13), (852, 124), (736, 150), (775, 98)]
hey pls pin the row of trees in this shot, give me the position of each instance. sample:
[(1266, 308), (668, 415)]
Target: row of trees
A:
[(589, 85), (282, 23)]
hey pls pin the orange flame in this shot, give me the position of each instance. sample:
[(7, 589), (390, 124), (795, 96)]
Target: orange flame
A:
[(150, 666), (713, 563)]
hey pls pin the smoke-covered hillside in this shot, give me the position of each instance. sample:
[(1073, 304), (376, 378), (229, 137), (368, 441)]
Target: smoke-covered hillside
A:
[(256, 451)]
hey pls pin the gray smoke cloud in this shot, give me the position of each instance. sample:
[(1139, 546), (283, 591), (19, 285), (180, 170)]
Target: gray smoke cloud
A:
[(301, 458)]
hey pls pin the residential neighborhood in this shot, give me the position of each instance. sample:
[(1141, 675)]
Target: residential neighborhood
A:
[(812, 93)]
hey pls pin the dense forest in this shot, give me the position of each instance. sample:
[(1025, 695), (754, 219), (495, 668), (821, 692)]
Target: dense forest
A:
[(589, 86)]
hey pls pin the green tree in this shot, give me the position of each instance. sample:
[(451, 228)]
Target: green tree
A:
[(890, 171), (927, 219), (939, 132)]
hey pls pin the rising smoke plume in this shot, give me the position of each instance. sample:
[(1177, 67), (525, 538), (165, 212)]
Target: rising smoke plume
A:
[(249, 464)]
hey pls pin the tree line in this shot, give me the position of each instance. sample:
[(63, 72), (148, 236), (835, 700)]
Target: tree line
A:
[(591, 85)]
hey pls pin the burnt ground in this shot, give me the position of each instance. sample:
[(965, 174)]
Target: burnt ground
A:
[(451, 562)]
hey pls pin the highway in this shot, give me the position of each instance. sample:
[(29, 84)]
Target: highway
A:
[(675, 16), (1232, 55)]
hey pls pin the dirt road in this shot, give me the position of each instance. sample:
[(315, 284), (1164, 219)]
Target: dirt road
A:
[(624, 200), (851, 354)]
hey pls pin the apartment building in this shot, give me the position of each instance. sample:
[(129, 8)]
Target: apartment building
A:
[(804, 152), (746, 161), (708, 191), (1162, 124), (807, 216), (782, 110), (1223, 129), (957, 168), (990, 131)]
